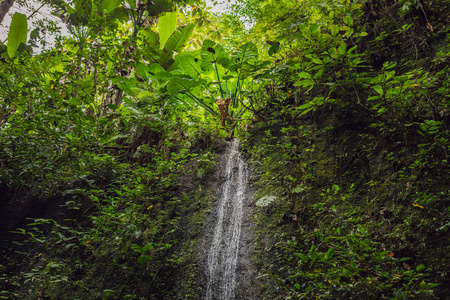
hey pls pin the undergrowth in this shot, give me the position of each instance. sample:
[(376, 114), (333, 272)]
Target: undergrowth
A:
[(120, 224), (349, 212), (352, 189)]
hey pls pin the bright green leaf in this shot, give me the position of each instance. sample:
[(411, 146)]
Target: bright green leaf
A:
[(388, 65), (110, 5), (389, 74), (142, 70), (306, 105), (181, 83), (155, 68), (190, 65), (17, 33), (313, 27), (304, 75), (379, 89), (351, 49), (334, 29), (305, 83), (175, 44), (167, 25), (348, 20)]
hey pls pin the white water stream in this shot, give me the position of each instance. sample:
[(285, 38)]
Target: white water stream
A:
[(222, 260)]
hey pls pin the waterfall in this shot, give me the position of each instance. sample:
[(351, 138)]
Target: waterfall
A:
[(222, 260)]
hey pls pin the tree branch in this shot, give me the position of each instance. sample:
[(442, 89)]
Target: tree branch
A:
[(4, 8)]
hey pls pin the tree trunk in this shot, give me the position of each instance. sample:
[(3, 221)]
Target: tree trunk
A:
[(4, 8)]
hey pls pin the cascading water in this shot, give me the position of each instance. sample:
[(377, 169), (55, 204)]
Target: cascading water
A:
[(222, 260)]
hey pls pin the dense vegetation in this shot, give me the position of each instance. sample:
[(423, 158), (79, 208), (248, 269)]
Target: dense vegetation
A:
[(351, 161), (110, 142)]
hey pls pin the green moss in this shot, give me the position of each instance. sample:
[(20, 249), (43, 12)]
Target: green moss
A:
[(93, 255), (346, 187)]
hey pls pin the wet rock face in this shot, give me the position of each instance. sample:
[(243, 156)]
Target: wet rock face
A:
[(228, 269), (15, 207), (18, 208)]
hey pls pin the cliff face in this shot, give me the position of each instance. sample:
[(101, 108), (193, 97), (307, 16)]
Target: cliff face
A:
[(354, 211), (124, 226), (352, 194)]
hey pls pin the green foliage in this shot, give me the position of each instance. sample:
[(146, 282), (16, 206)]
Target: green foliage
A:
[(88, 130), (167, 25), (144, 258), (351, 266), (335, 242), (109, 5), (174, 45), (345, 106)]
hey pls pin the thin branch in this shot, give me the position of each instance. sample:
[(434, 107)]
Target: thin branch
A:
[(35, 11)]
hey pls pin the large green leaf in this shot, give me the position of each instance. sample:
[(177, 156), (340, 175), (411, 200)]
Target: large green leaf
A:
[(167, 25), (219, 74), (94, 11), (175, 44), (204, 105), (17, 33), (214, 57), (152, 38), (110, 5), (181, 83), (211, 53), (190, 65), (248, 51), (184, 84), (155, 69), (162, 76), (119, 14), (142, 70), (221, 56), (179, 38), (207, 56)]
